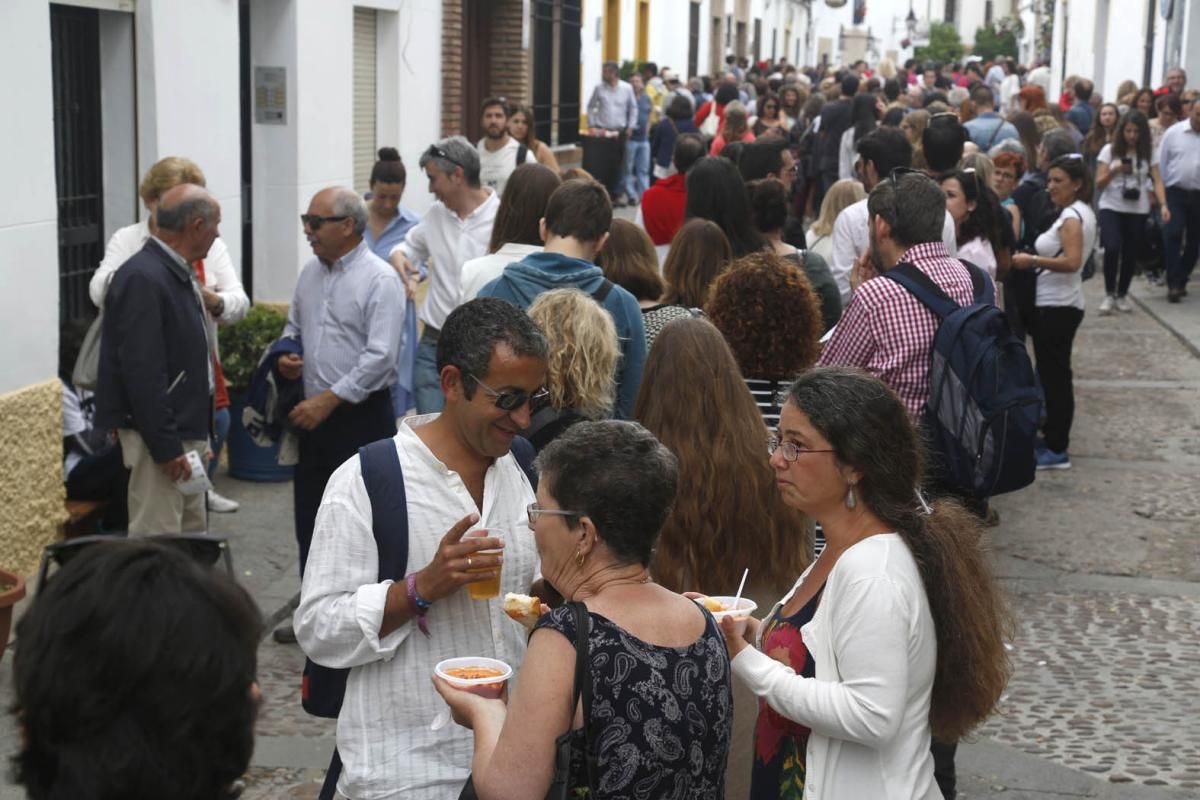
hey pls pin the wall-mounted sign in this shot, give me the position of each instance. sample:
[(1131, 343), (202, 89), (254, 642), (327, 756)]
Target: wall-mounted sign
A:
[(270, 95)]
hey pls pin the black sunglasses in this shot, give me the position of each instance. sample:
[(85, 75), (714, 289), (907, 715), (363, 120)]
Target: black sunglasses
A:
[(513, 399), (315, 221), (435, 151)]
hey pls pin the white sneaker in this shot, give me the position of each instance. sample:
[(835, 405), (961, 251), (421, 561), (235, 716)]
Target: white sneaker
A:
[(1124, 306), (221, 504), (1106, 305)]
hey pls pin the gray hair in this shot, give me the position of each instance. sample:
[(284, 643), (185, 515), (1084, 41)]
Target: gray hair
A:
[(176, 218), (458, 153), (922, 215), (1055, 144), (620, 477), (1009, 146), (347, 203)]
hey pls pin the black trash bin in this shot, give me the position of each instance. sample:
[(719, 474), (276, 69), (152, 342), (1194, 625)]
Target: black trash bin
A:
[(602, 157)]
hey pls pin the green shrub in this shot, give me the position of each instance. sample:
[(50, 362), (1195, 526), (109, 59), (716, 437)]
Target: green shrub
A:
[(243, 343)]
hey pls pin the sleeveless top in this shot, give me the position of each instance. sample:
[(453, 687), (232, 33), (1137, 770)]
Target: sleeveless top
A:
[(780, 745), (661, 716)]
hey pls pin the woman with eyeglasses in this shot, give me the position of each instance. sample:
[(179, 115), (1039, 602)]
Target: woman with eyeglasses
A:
[(658, 711), (1008, 170), (770, 118), (895, 633), (1125, 178), (1060, 254)]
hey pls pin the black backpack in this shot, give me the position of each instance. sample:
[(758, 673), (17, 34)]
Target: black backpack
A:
[(984, 405)]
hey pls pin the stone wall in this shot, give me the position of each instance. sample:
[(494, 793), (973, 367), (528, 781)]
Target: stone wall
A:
[(31, 483), (510, 75), (508, 67)]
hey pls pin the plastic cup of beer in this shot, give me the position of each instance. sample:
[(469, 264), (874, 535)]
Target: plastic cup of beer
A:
[(486, 589)]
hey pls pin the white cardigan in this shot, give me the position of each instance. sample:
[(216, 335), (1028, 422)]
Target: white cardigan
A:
[(875, 648)]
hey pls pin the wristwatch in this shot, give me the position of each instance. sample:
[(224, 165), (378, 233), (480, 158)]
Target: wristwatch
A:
[(220, 311)]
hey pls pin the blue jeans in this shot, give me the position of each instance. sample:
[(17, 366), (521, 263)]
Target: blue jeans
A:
[(637, 169), (427, 384), (1180, 251), (221, 421)]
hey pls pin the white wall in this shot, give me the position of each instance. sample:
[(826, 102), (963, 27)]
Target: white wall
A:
[(28, 206), (669, 34), (189, 98)]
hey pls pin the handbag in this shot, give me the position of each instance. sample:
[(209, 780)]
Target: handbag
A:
[(572, 754), (86, 373)]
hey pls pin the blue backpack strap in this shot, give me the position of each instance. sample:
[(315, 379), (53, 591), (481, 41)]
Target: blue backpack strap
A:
[(922, 287), (381, 474), (523, 451)]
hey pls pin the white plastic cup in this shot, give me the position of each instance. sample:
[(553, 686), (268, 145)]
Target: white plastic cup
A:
[(490, 687), (745, 607)]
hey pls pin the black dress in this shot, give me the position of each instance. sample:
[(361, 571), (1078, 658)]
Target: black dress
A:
[(661, 716)]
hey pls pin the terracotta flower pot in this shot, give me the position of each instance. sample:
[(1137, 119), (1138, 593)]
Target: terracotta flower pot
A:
[(12, 589)]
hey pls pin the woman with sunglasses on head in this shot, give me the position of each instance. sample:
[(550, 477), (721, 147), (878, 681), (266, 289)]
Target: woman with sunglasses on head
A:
[(1125, 177), (980, 224), (657, 707), (1061, 252), (903, 625)]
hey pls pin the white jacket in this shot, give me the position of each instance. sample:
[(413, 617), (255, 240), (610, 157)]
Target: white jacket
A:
[(219, 273), (875, 648)]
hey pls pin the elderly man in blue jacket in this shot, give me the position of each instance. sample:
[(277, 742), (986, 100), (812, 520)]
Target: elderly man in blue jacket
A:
[(156, 376), (574, 229)]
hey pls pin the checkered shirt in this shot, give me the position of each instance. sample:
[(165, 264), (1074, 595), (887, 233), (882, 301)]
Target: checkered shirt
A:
[(889, 333)]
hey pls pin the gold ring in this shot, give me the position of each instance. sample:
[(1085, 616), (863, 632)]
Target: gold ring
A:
[(468, 562)]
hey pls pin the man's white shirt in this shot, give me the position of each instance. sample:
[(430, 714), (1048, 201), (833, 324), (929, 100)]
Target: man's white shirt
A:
[(852, 238), (383, 733), (495, 167)]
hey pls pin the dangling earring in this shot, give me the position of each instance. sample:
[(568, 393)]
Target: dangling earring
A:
[(851, 500), (579, 558)]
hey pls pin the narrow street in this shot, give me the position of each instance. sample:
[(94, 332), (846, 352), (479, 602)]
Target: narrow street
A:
[(1103, 563)]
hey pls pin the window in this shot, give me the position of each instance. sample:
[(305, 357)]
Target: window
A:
[(556, 45), (951, 8), (757, 40), (364, 96), (987, 12)]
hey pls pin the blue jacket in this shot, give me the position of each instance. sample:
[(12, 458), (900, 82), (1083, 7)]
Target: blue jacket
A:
[(662, 138), (523, 281)]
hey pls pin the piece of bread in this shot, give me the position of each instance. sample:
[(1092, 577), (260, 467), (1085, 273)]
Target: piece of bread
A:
[(523, 608)]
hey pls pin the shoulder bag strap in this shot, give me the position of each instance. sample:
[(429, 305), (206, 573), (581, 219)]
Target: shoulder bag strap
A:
[(583, 684), (995, 133), (384, 479), (524, 453), (922, 287), (601, 293)]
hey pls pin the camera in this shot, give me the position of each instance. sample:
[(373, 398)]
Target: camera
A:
[(1131, 193)]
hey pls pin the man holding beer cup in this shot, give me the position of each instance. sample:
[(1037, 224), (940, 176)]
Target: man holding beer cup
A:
[(466, 497)]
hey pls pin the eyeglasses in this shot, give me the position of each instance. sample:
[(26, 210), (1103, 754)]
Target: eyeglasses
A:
[(791, 451), (315, 221), (435, 151), (899, 172), (512, 400), (533, 511)]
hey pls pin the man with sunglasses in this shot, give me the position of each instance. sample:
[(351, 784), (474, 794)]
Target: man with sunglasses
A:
[(465, 493), (457, 229), (347, 313)]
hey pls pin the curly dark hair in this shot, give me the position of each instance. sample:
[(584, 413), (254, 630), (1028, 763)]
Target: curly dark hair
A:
[(770, 315)]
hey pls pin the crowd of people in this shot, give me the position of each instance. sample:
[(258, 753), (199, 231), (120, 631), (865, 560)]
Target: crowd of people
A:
[(618, 417)]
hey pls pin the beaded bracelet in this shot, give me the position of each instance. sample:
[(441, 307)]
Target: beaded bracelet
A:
[(418, 604)]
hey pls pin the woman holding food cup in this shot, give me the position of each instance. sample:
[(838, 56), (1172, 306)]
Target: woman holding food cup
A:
[(895, 632), (657, 671)]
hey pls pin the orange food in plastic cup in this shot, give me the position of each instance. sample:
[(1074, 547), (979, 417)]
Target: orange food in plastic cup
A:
[(476, 674), (725, 608)]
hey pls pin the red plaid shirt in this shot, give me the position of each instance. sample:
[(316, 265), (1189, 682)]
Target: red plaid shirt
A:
[(887, 332)]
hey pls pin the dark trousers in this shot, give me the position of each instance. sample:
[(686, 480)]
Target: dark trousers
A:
[(1121, 235), (103, 477), (943, 767), (1053, 335), (326, 448), (1020, 295), (1181, 236)]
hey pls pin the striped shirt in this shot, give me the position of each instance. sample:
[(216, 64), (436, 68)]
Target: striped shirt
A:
[(889, 333), (766, 397), (383, 731), (350, 315)]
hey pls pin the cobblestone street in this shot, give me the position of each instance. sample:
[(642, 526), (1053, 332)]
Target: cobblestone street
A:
[(1102, 561)]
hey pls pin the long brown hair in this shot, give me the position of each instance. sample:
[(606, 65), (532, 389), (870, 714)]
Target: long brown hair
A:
[(869, 429), (530, 140), (629, 260), (523, 205), (728, 508), (699, 253)]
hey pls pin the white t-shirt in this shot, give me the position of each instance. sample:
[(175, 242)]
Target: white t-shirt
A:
[(980, 253), (1112, 198), (494, 168), (1065, 288)]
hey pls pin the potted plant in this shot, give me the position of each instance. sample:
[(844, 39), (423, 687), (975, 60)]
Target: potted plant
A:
[(242, 346), (12, 589)]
